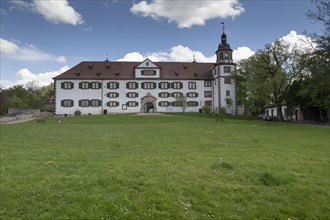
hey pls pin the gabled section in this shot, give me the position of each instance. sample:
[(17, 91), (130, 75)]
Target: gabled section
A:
[(147, 69)]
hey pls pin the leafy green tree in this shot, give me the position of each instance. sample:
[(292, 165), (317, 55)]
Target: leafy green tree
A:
[(316, 85), (266, 76), (182, 102)]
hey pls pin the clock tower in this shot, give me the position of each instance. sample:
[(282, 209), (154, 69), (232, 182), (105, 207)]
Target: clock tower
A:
[(224, 52)]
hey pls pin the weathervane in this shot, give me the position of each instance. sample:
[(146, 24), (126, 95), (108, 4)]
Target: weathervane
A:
[(223, 27)]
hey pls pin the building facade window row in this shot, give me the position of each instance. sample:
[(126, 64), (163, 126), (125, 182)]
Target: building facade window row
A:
[(135, 85)]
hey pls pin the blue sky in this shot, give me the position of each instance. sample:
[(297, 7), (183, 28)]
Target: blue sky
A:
[(42, 38)]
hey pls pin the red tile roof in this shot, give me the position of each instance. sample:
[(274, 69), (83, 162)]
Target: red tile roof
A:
[(126, 70)]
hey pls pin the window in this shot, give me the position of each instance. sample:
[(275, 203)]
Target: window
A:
[(132, 95), (84, 103), (177, 85), (148, 72), (163, 95), (96, 103), (67, 103), (95, 85), (113, 85), (227, 69), (207, 83), (67, 85), (132, 85), (148, 85), (176, 104), (132, 104), (112, 104), (163, 85), (112, 94), (163, 104), (227, 93), (208, 94), (192, 94), (209, 103), (191, 85), (176, 94), (227, 80), (192, 104), (84, 85)]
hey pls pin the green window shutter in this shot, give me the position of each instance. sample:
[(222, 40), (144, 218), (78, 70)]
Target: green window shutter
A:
[(72, 85), (181, 85), (62, 85), (108, 94), (108, 103), (142, 72), (159, 103), (80, 103), (196, 94), (100, 85), (90, 85), (168, 85), (80, 85), (172, 85), (72, 102), (154, 72), (90, 102), (117, 104), (159, 85), (159, 94), (117, 85), (62, 103), (136, 104), (142, 85), (136, 85), (117, 94), (127, 94), (127, 85), (155, 85), (100, 102), (108, 85)]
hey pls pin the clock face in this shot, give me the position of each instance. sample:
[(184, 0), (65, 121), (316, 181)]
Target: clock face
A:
[(226, 56)]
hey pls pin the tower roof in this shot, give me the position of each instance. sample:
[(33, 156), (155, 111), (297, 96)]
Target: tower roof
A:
[(223, 45)]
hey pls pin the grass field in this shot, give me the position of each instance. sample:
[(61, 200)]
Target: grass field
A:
[(164, 167)]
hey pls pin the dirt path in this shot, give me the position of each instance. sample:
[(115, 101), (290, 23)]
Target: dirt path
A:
[(19, 121)]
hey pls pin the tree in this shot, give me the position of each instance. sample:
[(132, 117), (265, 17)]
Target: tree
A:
[(267, 75), (316, 85), (181, 101)]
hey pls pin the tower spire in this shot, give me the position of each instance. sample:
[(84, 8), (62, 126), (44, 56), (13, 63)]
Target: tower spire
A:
[(223, 27)]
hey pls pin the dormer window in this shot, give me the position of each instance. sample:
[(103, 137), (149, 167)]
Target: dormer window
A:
[(147, 63)]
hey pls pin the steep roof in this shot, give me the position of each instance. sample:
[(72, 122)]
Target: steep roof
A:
[(113, 70)]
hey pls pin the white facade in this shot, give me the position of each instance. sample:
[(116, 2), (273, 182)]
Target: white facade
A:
[(122, 100)]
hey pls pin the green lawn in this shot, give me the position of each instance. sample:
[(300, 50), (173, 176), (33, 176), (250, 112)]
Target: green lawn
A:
[(164, 167)]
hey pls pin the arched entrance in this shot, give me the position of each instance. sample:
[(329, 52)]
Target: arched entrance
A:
[(148, 107), (148, 104)]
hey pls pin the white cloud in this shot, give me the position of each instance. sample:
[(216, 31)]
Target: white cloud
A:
[(184, 54), (302, 42), (24, 76), (132, 56), (26, 53), (55, 11), (242, 53), (8, 47), (188, 13)]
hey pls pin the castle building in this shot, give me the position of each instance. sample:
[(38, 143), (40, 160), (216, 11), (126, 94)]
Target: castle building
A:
[(105, 87)]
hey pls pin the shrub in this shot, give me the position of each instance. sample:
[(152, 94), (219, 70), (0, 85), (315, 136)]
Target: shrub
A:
[(206, 109), (77, 113)]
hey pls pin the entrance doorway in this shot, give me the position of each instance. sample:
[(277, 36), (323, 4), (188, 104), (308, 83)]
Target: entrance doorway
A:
[(148, 107)]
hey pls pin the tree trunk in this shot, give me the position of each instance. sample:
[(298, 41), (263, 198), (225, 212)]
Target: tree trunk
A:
[(321, 115), (279, 113), (328, 114)]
